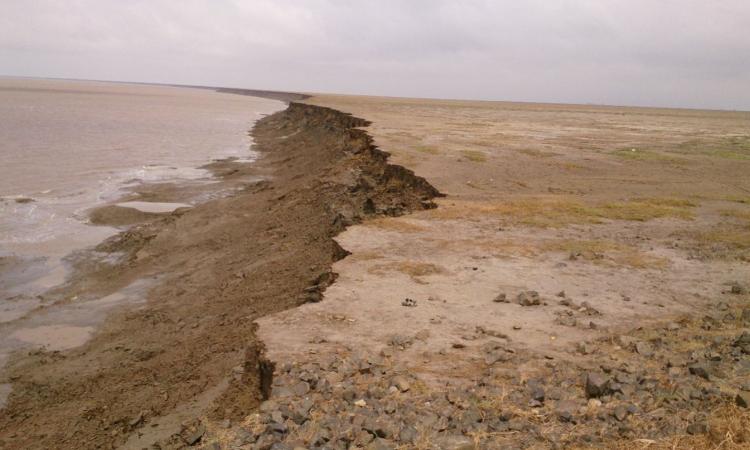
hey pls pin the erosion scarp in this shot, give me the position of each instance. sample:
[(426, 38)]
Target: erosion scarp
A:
[(191, 348)]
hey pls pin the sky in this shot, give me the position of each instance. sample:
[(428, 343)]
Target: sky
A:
[(681, 53)]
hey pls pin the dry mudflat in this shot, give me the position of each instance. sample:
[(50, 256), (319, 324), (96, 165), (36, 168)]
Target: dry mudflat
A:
[(583, 283)]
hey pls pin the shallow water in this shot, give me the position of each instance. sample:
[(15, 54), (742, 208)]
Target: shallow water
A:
[(66, 146)]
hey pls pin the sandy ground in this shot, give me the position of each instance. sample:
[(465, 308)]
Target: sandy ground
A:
[(614, 206)]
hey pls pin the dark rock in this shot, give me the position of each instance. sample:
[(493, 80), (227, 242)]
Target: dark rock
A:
[(301, 389), (596, 385), (409, 302), (737, 289), (621, 412), (276, 428), (699, 370), (500, 298), (528, 298), (537, 393), (566, 410), (193, 437), (408, 434)]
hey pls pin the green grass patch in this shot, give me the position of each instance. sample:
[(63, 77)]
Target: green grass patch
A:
[(474, 155), (636, 154)]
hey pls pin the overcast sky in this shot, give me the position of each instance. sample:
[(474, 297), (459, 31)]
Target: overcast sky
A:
[(689, 53)]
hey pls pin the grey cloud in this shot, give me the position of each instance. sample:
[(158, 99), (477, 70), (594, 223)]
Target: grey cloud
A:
[(689, 53)]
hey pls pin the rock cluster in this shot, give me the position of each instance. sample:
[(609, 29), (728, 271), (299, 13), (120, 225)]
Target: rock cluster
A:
[(648, 384)]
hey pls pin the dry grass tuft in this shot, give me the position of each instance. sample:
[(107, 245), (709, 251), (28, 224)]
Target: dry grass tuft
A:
[(537, 153), (415, 269), (729, 429), (737, 214), (474, 155), (606, 252), (648, 208), (429, 149), (723, 241)]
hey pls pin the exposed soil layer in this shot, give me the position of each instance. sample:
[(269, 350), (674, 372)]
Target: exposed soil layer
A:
[(219, 266)]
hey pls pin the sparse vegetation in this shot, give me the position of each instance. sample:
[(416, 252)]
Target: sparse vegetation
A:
[(560, 211), (606, 252), (537, 153), (636, 154), (415, 269), (737, 214), (647, 208), (729, 147)]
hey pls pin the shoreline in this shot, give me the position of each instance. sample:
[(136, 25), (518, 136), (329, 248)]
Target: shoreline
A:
[(358, 184)]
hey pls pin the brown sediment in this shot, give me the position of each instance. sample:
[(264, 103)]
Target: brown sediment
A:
[(114, 215), (220, 266)]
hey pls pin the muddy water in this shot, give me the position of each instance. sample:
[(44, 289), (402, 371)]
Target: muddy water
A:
[(66, 146)]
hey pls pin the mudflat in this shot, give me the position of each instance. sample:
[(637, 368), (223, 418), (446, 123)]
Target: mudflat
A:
[(548, 276)]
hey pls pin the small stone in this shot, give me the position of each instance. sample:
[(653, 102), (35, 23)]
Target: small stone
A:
[(742, 399), (673, 326), (195, 436), (596, 385), (408, 302), (566, 409), (699, 370), (361, 403), (301, 389), (528, 298), (500, 298), (537, 393), (408, 434), (621, 412), (458, 345), (737, 289), (401, 383)]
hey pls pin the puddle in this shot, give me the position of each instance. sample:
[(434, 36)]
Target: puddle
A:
[(54, 337), (154, 207)]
